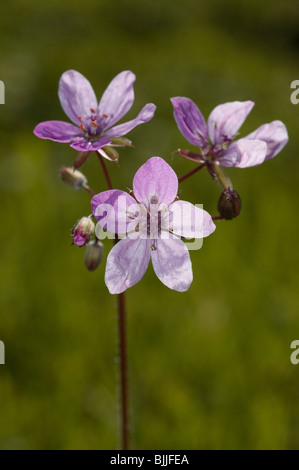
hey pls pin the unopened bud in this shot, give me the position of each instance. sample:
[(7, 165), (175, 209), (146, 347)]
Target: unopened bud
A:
[(109, 153), (93, 254), (81, 159), (82, 231), (229, 204), (121, 142), (74, 178)]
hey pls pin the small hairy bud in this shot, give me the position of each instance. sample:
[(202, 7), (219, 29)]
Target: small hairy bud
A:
[(121, 142), (74, 178), (93, 254), (82, 231), (109, 153), (229, 204)]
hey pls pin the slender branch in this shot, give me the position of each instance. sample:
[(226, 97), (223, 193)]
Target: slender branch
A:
[(217, 217), (192, 172), (105, 171)]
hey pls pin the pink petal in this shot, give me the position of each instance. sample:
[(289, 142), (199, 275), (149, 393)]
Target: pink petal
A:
[(226, 119), (245, 153), (155, 179), (190, 221), (58, 131), (145, 115), (172, 264), (127, 263), (274, 134), (117, 98), (85, 145), (189, 120), (76, 95), (110, 208)]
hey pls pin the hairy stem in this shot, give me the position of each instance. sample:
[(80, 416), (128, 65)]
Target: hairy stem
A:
[(221, 177), (122, 338), (89, 190), (122, 335), (105, 171), (192, 172)]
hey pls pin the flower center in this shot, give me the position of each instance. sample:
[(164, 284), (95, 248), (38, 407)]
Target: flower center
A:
[(92, 124), (154, 222), (216, 150)]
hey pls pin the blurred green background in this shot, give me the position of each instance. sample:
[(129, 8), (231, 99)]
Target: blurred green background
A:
[(210, 368)]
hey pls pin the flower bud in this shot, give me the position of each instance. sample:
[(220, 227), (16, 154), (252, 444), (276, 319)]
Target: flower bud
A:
[(81, 159), (74, 178), (229, 204), (121, 142), (93, 254), (109, 153), (82, 231)]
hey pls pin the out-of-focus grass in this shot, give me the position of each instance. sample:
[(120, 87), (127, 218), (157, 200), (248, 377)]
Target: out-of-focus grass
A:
[(209, 369)]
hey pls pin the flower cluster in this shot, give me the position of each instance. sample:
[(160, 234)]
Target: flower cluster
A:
[(151, 223)]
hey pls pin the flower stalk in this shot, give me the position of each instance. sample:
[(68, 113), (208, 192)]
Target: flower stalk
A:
[(191, 173), (105, 171), (219, 175), (122, 348), (122, 335)]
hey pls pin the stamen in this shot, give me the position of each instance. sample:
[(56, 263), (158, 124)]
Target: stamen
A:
[(82, 127), (152, 247), (92, 110), (80, 117), (94, 124), (105, 115)]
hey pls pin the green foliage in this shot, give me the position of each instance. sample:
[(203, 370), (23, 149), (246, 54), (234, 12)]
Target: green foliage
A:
[(209, 369)]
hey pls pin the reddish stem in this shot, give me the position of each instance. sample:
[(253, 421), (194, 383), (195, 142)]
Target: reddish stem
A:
[(105, 171), (192, 172), (217, 217), (122, 335), (123, 370), (89, 190)]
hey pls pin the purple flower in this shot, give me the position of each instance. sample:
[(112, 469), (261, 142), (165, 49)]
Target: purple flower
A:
[(215, 138), (152, 224), (82, 231), (94, 122)]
